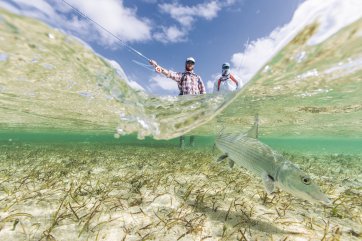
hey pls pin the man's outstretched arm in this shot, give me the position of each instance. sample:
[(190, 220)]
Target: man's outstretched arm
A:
[(160, 69), (169, 74)]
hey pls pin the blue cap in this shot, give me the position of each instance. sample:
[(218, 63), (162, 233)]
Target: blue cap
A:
[(226, 66)]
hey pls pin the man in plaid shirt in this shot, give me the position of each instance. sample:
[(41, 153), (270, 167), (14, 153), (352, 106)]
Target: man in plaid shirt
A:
[(188, 83)]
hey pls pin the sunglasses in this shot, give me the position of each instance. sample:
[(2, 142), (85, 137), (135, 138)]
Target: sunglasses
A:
[(190, 62), (226, 67)]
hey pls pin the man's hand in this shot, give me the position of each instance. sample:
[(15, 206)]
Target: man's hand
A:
[(153, 63), (158, 68)]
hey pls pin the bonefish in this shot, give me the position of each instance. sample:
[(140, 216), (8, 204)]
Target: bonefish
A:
[(275, 170)]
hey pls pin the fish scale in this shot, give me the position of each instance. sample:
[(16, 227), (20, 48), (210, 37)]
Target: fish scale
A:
[(249, 154)]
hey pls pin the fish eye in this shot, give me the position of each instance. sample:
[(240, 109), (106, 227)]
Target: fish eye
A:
[(306, 180)]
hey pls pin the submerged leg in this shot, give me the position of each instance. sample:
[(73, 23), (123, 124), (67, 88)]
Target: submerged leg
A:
[(222, 157), (182, 142), (192, 141)]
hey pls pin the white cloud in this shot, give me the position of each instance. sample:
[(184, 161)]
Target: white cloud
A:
[(116, 18), (332, 15), (110, 14), (160, 82), (150, 1), (210, 86), (254, 57), (186, 15), (171, 34)]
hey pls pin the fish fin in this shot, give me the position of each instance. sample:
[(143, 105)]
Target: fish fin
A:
[(231, 163), (222, 157), (253, 132), (268, 182)]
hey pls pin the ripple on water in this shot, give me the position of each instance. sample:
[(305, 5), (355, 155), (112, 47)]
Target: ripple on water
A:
[(3, 57), (51, 36), (86, 94), (48, 66), (301, 56)]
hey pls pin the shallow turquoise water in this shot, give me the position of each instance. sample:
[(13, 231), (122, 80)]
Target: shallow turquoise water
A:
[(307, 145), (316, 146)]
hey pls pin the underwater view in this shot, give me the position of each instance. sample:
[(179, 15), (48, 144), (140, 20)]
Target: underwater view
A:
[(84, 156)]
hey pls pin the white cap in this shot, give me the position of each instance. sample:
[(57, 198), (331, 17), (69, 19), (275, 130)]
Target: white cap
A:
[(190, 59)]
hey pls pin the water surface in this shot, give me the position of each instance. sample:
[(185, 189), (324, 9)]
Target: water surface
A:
[(70, 170)]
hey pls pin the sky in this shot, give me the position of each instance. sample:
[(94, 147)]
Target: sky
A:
[(245, 33)]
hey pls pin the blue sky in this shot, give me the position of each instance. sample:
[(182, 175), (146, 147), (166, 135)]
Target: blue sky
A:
[(212, 41), (245, 33)]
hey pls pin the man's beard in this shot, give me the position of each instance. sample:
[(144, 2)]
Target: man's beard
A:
[(225, 72), (189, 68)]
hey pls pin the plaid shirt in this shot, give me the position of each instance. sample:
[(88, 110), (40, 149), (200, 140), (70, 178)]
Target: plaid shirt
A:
[(188, 83)]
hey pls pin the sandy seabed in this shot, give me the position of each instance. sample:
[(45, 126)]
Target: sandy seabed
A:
[(88, 191)]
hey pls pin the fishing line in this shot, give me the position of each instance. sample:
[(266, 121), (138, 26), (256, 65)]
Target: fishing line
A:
[(146, 66), (246, 46), (106, 30)]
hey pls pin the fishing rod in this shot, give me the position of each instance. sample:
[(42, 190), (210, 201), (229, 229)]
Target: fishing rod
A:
[(106, 30)]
